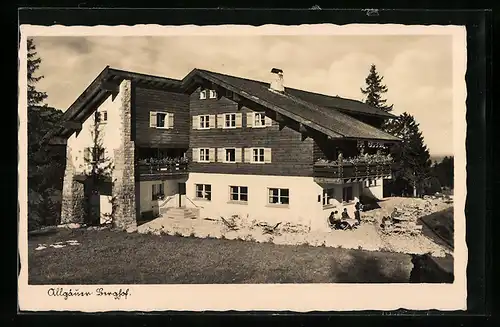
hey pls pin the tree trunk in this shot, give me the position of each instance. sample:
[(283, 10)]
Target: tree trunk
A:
[(414, 190)]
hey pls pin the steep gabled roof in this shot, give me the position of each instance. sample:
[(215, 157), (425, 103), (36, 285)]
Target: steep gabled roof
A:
[(326, 119), (341, 104), (324, 100), (331, 122)]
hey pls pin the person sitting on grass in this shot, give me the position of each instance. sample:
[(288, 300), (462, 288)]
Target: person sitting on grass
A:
[(345, 215), (334, 219)]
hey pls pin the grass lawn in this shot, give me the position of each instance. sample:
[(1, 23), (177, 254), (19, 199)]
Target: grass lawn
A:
[(111, 257)]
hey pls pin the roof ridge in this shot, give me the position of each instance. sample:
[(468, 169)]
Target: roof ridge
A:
[(318, 108), (292, 88), (308, 105)]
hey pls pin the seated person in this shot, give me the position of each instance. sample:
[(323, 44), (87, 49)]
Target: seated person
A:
[(345, 215), (333, 219)]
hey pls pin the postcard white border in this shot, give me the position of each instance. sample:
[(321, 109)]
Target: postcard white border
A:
[(289, 297)]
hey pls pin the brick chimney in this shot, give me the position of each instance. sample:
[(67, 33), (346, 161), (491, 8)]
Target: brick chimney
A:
[(277, 81)]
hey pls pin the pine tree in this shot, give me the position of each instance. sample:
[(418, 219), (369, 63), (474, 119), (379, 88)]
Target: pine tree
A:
[(45, 166), (374, 90), (35, 98), (99, 168), (412, 163)]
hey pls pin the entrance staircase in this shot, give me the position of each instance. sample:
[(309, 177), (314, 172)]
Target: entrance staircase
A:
[(180, 213)]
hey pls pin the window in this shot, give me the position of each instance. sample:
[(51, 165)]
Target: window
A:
[(328, 195), (203, 95), (259, 119), (258, 155), (102, 116), (230, 120), (371, 182), (279, 196), (347, 194), (238, 193), (204, 122), (204, 191), (161, 119), (230, 155), (212, 94), (204, 155), (157, 191)]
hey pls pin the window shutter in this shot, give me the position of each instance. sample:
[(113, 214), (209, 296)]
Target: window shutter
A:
[(220, 120), (220, 154), (238, 119), (152, 119), (211, 154), (196, 122), (248, 154), (196, 154), (211, 121), (170, 120), (250, 116), (238, 154), (269, 121), (267, 155)]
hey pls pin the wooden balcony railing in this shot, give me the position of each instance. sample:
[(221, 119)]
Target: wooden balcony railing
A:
[(162, 168), (352, 171)]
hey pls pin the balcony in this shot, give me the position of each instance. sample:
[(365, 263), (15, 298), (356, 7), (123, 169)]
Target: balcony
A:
[(353, 169), (162, 168)]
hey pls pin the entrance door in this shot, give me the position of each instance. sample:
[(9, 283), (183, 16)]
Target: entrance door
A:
[(182, 194)]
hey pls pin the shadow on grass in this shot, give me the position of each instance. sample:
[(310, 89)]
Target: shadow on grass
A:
[(427, 269), (372, 268), (43, 232)]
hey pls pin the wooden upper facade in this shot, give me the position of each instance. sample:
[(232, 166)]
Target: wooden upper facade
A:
[(224, 124)]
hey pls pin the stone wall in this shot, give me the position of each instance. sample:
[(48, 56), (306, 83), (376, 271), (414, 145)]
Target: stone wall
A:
[(123, 173), (73, 197)]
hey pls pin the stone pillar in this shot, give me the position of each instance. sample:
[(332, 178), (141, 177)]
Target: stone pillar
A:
[(123, 173), (73, 197)]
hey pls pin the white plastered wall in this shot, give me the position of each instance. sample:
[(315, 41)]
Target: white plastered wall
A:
[(110, 139)]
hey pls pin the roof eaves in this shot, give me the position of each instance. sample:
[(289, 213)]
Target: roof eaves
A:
[(92, 90)]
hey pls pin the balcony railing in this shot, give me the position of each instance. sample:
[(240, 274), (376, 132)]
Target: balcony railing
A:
[(162, 166), (374, 166)]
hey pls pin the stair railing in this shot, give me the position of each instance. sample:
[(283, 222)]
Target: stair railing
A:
[(167, 200), (197, 206)]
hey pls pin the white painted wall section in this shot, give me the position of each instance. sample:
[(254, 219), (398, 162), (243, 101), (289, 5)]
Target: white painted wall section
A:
[(108, 131)]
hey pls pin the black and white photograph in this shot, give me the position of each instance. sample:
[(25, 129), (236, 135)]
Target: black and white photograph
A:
[(195, 168)]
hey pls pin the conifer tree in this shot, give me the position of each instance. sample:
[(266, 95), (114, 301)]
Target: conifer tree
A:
[(412, 163), (375, 89), (99, 168), (45, 166), (35, 98)]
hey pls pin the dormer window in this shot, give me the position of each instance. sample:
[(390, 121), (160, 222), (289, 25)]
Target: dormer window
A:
[(203, 95), (212, 94)]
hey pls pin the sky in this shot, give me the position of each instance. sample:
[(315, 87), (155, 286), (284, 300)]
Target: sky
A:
[(417, 69)]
